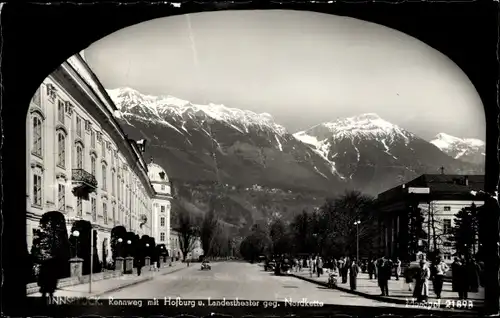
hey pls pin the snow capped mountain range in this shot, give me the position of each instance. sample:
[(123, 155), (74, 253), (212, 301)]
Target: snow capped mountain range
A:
[(466, 149), (159, 107), (242, 147)]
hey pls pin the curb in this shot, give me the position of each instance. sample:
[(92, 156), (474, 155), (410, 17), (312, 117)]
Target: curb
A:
[(136, 282), (124, 286), (365, 295)]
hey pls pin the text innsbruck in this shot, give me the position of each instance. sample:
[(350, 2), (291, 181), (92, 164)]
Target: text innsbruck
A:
[(180, 302)]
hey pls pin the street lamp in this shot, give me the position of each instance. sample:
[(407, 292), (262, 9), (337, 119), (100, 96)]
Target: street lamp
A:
[(76, 234), (357, 239)]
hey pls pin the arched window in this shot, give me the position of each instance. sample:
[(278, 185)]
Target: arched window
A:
[(104, 173), (37, 136), (79, 156), (61, 149), (93, 165)]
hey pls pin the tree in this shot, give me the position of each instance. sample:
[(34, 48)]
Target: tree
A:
[(301, 230), (335, 230), (416, 232), (161, 251), (280, 238), (130, 248), (256, 243), (83, 246), (465, 231), (144, 248), (188, 233), (209, 228), (51, 242), (116, 247)]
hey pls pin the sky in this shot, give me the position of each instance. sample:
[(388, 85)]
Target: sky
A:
[(302, 67)]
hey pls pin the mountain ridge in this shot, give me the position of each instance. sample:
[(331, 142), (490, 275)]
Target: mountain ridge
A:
[(205, 143)]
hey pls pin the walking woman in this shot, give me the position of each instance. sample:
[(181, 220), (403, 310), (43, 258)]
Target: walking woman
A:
[(353, 274), (398, 268), (421, 292), (440, 269)]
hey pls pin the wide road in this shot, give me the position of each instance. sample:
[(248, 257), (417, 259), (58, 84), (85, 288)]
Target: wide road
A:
[(241, 280)]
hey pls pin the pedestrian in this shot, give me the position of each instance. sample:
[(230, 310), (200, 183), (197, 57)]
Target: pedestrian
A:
[(139, 266), (319, 266), (371, 269), (345, 270), (455, 270), (353, 274), (375, 268), (47, 278), (421, 292), (382, 276), (440, 270), (340, 266), (409, 276), (398, 268), (473, 275), (310, 265)]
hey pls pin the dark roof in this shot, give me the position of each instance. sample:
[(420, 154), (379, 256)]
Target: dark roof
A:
[(440, 185)]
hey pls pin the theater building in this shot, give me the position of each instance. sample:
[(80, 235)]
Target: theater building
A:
[(439, 197), (80, 162)]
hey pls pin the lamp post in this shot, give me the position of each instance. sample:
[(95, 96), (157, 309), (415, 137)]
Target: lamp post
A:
[(128, 247), (76, 234), (357, 239), (91, 258)]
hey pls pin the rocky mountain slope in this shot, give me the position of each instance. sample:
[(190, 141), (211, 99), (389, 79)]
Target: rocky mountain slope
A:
[(464, 149), (258, 168), (213, 142), (375, 154)]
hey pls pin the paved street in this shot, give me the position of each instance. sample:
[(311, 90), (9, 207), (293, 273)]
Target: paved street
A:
[(242, 280)]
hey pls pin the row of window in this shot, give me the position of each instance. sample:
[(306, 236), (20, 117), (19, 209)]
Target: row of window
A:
[(62, 109), (162, 238), (61, 158)]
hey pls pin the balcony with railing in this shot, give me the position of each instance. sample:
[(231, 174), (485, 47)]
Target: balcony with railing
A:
[(84, 183)]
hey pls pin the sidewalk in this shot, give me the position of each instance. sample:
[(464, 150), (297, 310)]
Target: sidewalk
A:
[(113, 284), (398, 290)]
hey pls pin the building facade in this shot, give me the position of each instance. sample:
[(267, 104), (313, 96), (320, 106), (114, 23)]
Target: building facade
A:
[(161, 206), (439, 198), (73, 139)]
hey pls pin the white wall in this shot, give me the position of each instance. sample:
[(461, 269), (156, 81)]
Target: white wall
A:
[(133, 196), (444, 210)]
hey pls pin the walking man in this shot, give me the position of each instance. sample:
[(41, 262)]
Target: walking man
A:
[(319, 266), (382, 265), (353, 274), (371, 269)]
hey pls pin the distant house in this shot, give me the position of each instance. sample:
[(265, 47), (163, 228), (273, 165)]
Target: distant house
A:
[(439, 197)]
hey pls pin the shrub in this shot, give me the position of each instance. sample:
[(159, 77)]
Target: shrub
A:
[(116, 248), (51, 241), (82, 249)]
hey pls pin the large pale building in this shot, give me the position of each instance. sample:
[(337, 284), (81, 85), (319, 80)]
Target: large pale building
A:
[(439, 197), (77, 149)]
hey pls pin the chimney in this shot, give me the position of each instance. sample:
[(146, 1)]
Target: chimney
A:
[(466, 180)]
